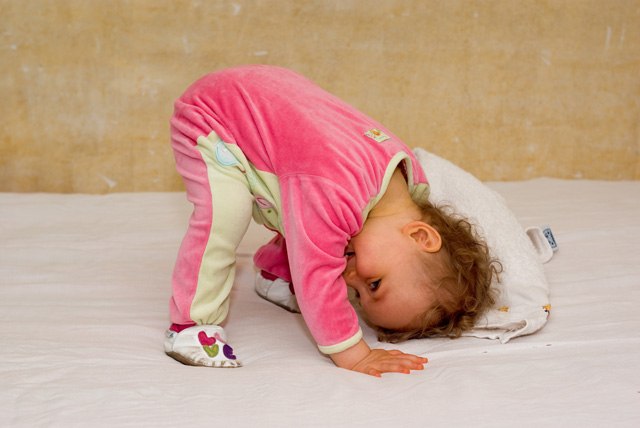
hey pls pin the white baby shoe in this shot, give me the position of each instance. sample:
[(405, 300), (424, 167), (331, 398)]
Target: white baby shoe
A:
[(277, 292), (200, 345)]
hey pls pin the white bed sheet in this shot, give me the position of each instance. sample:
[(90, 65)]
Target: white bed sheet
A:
[(84, 289)]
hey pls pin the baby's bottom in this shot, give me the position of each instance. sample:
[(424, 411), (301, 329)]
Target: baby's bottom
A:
[(205, 266)]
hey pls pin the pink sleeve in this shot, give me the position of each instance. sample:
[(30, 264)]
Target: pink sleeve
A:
[(319, 218)]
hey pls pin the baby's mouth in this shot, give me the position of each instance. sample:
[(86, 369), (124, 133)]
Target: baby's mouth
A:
[(349, 253)]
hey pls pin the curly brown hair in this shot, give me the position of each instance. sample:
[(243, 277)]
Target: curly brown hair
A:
[(460, 281)]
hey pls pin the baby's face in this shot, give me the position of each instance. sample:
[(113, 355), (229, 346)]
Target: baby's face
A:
[(382, 267)]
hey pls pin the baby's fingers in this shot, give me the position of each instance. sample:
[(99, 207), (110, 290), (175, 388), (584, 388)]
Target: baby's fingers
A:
[(381, 361), (411, 357), (401, 364), (398, 368), (385, 369), (373, 372)]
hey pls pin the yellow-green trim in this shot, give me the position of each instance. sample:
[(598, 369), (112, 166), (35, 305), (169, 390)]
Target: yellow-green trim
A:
[(263, 184), (419, 192), (342, 346)]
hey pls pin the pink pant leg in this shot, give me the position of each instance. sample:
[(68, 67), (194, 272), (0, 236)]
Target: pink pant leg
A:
[(203, 273), (272, 258)]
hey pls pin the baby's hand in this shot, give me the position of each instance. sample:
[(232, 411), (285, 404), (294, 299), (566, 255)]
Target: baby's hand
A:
[(374, 362), (381, 361)]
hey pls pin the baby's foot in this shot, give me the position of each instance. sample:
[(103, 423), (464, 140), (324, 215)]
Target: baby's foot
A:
[(200, 345), (277, 292)]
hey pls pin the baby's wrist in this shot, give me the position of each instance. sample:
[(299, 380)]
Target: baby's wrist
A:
[(349, 358)]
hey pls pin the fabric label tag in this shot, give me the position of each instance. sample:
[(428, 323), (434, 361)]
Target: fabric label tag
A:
[(547, 234), (376, 135)]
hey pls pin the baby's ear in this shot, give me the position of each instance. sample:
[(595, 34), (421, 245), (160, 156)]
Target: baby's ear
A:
[(424, 235)]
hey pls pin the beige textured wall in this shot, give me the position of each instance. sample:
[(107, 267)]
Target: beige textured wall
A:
[(507, 89)]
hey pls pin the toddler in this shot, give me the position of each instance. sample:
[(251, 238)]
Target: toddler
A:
[(349, 204)]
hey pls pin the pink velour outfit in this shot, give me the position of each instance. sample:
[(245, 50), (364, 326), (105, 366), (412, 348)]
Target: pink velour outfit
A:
[(265, 142)]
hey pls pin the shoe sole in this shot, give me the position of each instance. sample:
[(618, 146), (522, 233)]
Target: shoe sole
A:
[(186, 362), (286, 308)]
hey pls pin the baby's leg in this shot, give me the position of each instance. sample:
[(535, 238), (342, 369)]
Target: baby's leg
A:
[(273, 283), (205, 268), (273, 258)]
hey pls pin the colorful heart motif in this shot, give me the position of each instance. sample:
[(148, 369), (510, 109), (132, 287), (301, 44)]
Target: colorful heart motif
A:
[(211, 351), (206, 340), (228, 352)]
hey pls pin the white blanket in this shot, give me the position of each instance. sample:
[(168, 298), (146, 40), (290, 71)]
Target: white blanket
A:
[(84, 289), (523, 304)]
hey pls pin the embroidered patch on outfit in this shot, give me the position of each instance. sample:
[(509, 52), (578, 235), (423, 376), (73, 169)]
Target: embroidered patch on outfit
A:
[(376, 135), (224, 155), (263, 203)]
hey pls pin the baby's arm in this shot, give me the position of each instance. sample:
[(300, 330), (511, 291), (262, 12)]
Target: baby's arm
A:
[(374, 362), (320, 217)]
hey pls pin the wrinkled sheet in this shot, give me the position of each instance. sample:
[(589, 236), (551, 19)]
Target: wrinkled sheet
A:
[(84, 289)]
